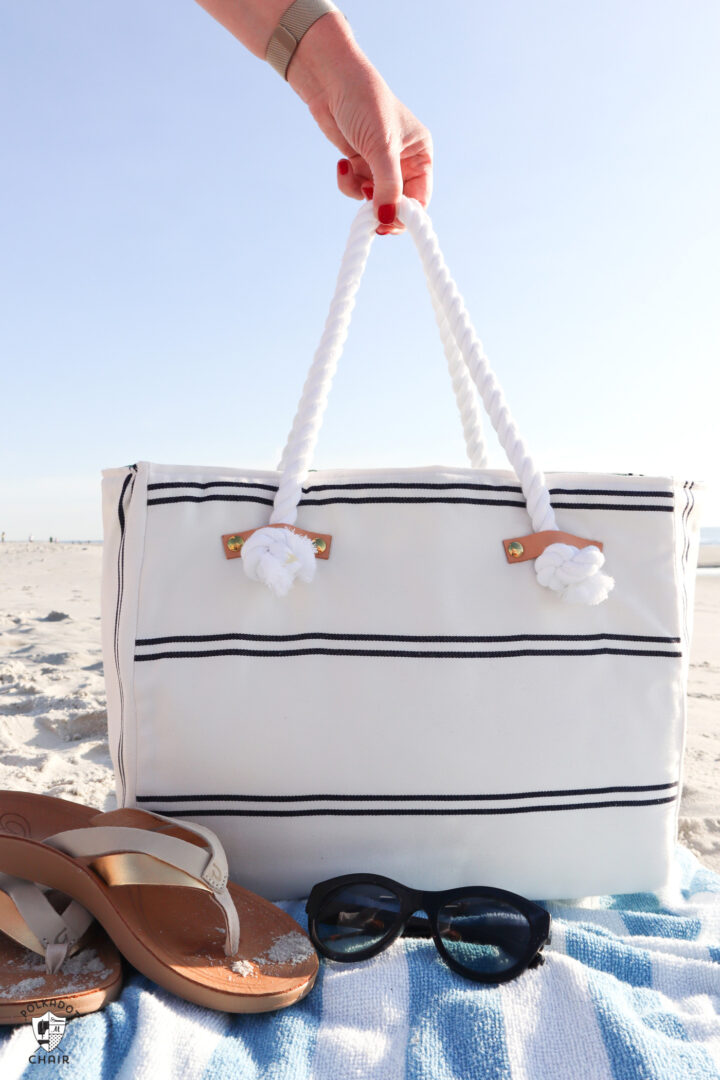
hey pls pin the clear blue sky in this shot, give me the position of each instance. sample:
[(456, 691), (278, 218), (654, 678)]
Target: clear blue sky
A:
[(171, 232)]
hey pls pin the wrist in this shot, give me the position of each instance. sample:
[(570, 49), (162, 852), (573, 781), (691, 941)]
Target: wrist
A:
[(324, 55)]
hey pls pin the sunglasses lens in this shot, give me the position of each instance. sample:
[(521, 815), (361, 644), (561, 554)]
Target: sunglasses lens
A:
[(356, 917), (484, 935)]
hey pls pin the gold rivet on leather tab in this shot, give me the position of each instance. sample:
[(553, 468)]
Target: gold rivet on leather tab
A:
[(515, 549), (235, 543), (319, 544)]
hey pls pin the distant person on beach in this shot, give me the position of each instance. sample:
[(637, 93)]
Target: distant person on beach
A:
[(387, 151)]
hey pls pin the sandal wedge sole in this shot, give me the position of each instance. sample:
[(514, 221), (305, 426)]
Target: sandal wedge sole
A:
[(88, 980), (171, 934)]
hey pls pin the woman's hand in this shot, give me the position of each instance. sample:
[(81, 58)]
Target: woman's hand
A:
[(387, 151)]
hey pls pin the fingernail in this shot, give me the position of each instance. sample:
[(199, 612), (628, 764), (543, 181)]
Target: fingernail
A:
[(386, 214), (367, 190), (343, 167)]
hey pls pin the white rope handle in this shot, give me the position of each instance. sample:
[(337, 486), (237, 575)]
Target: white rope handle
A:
[(451, 304), (298, 454), (465, 392), (572, 572), (301, 441), (334, 336)]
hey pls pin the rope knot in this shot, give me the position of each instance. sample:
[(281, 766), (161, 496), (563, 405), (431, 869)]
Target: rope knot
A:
[(574, 573), (277, 556)]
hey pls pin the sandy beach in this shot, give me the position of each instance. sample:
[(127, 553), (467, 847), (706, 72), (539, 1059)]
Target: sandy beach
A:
[(53, 727)]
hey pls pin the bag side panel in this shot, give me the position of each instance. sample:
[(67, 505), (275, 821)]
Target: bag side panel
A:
[(687, 519), (124, 493)]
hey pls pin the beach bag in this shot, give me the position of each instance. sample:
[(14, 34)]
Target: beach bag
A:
[(450, 676)]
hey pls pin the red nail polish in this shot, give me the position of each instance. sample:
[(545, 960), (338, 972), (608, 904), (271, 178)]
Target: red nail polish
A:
[(343, 167), (367, 190), (386, 214)]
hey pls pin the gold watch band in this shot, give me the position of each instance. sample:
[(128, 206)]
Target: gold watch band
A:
[(294, 22)]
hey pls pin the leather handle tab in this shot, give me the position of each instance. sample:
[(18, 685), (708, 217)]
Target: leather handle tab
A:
[(233, 542), (523, 548)]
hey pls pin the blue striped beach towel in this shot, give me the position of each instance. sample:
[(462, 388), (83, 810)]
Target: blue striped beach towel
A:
[(630, 990)]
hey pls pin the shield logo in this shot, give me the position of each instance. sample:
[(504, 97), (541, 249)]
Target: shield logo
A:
[(48, 1029)]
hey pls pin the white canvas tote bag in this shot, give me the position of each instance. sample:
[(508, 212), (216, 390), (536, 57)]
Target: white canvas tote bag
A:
[(429, 674)]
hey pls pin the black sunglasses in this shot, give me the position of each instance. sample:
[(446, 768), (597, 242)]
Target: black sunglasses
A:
[(488, 935)]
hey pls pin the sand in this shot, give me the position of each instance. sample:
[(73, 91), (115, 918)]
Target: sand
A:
[(700, 806), (53, 725), (709, 556)]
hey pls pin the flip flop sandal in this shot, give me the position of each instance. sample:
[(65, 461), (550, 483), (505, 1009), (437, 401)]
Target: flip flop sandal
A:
[(159, 887), (53, 955)]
